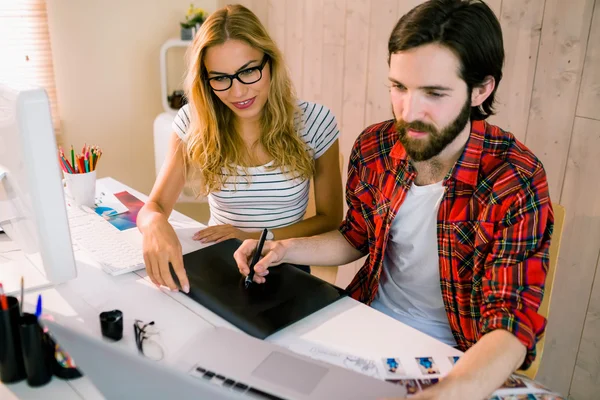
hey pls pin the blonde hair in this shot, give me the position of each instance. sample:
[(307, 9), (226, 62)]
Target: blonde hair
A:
[(214, 145)]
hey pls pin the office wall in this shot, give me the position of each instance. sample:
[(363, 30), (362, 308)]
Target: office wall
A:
[(549, 98), (106, 60)]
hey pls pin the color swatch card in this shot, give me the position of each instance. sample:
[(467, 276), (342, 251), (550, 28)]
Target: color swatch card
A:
[(128, 219), (107, 204)]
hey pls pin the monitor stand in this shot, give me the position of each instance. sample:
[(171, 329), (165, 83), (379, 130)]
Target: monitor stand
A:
[(14, 263)]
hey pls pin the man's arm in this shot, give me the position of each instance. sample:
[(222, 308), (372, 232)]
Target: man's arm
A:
[(481, 370), (516, 267), (515, 273), (327, 249)]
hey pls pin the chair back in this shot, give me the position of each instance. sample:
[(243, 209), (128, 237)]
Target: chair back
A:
[(559, 219)]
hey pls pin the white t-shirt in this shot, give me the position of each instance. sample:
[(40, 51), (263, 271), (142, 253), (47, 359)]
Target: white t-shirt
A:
[(409, 288), (272, 199)]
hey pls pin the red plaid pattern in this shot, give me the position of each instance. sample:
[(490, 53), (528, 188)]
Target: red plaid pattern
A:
[(494, 227)]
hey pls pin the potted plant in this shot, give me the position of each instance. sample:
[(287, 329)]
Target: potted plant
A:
[(193, 20)]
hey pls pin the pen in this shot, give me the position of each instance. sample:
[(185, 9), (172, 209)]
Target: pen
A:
[(256, 257), (38, 307), (22, 294)]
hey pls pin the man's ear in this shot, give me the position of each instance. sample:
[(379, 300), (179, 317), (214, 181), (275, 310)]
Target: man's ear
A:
[(480, 93)]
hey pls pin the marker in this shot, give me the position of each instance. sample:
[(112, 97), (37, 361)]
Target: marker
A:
[(38, 307)]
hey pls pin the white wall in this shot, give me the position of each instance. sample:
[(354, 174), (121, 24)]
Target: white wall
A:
[(106, 61)]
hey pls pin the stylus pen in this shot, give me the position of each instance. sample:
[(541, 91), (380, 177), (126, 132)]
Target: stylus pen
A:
[(256, 257)]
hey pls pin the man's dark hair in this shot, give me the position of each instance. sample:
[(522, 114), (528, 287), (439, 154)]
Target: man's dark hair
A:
[(468, 28)]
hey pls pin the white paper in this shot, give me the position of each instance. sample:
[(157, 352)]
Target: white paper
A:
[(109, 203), (189, 245), (358, 364), (377, 369)]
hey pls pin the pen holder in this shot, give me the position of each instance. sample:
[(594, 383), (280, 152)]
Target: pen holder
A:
[(12, 368), (81, 188), (36, 351)]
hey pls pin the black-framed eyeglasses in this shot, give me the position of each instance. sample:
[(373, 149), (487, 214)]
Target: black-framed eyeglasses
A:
[(144, 341), (246, 76)]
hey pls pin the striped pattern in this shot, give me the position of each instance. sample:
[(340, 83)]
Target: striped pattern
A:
[(264, 197), (494, 228)]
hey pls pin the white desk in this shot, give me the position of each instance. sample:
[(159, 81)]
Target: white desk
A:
[(346, 325)]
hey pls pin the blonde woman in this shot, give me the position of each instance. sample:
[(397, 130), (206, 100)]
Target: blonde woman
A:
[(253, 145)]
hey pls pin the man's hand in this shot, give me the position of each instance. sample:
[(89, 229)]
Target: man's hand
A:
[(481, 370), (427, 394), (272, 252), (435, 392)]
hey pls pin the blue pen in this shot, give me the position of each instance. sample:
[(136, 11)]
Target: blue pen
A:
[(38, 307)]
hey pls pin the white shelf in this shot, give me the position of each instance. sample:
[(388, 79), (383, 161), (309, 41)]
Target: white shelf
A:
[(169, 44)]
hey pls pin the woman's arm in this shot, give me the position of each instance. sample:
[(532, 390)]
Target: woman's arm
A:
[(328, 199), (168, 185), (160, 243)]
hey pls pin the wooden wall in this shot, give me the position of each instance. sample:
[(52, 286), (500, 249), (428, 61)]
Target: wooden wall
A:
[(549, 98)]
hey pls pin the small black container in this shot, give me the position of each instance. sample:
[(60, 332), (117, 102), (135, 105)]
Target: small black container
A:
[(36, 351), (111, 324), (12, 368)]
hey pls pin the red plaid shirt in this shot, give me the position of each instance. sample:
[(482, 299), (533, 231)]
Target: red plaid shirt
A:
[(493, 228)]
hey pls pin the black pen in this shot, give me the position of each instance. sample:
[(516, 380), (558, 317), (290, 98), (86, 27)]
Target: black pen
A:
[(256, 257)]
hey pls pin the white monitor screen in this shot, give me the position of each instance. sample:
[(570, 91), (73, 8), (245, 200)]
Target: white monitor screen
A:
[(32, 205)]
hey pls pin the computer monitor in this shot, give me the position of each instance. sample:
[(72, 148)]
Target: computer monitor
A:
[(32, 204)]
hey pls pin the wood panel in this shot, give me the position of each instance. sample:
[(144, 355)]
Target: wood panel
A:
[(294, 39), (589, 96), (356, 48), (355, 72), (521, 23), (556, 84), (276, 22), (586, 378), (249, 4), (333, 80), (578, 257), (312, 82), (261, 9), (258, 7), (382, 21), (405, 6), (334, 31), (334, 26), (496, 6)]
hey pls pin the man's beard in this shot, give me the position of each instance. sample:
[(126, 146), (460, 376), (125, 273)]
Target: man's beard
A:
[(436, 141)]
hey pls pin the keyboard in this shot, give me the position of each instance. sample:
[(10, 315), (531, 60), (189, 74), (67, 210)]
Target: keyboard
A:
[(239, 387), (113, 249)]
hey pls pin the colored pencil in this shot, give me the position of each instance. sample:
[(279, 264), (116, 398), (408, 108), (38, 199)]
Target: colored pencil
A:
[(82, 163)]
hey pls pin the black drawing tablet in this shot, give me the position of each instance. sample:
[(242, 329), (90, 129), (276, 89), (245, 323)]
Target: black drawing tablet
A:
[(261, 310)]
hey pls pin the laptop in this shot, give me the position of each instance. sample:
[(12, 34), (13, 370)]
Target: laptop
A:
[(218, 364), (288, 295)]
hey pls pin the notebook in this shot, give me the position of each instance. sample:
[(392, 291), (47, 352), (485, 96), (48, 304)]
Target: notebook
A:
[(261, 310)]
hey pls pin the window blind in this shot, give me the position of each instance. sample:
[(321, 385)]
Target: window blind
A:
[(25, 51)]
